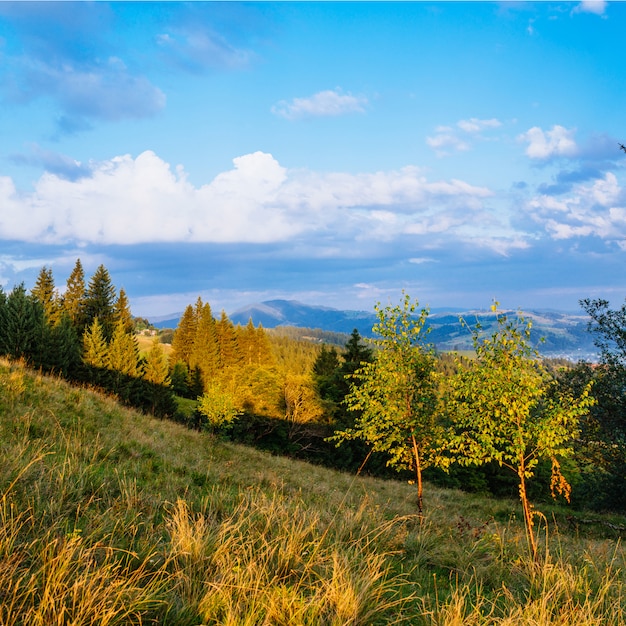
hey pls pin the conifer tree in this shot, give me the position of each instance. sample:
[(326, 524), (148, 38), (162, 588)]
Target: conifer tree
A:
[(205, 355), (356, 354), (95, 349), (247, 342), (179, 377), (122, 312), (123, 353), (44, 292), (74, 297), (3, 320), (228, 345), (155, 366), (63, 347), (23, 326), (100, 301), (184, 336)]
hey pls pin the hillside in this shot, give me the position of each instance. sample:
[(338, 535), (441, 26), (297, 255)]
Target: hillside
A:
[(108, 516), (555, 333)]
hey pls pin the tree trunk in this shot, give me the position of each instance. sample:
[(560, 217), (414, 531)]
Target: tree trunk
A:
[(418, 475), (527, 509)]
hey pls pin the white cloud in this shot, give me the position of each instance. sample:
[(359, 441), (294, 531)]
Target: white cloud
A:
[(558, 141), (597, 209), (322, 104), (449, 138), (140, 200), (443, 140), (421, 260), (474, 125), (598, 7)]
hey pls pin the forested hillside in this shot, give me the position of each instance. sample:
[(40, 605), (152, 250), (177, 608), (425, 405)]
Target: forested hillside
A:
[(305, 394)]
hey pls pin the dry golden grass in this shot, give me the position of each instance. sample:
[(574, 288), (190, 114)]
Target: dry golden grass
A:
[(110, 517)]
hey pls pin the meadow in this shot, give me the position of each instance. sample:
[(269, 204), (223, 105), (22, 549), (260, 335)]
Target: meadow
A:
[(109, 516)]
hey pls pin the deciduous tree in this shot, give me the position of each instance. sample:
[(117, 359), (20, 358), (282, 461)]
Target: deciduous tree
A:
[(396, 394), (502, 409)]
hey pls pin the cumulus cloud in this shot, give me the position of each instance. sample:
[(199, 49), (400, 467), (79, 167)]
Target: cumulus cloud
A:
[(329, 103), (544, 145), (597, 209), (139, 200), (456, 138)]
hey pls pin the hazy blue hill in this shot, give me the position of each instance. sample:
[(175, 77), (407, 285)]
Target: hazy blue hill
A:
[(274, 313), (555, 333)]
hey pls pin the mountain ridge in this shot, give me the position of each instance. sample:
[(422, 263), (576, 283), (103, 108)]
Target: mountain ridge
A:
[(554, 333)]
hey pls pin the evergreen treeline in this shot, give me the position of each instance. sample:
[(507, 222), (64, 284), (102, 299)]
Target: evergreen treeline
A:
[(86, 335)]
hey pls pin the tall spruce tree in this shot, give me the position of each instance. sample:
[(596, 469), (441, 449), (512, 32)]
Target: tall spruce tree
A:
[(45, 293), (155, 366), (228, 345), (73, 301), (123, 354), (23, 326), (63, 347), (184, 337), (95, 349), (205, 355), (100, 301), (122, 312)]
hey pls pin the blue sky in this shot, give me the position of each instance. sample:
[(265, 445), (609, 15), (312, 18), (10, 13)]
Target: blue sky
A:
[(332, 153)]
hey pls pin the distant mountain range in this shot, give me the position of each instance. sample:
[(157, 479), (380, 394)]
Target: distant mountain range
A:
[(555, 333)]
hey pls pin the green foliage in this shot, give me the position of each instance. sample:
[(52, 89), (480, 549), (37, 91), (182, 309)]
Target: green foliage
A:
[(22, 326), (74, 298), (100, 301), (503, 409), (45, 293), (62, 348), (609, 328), (218, 408), (396, 394), (122, 313), (123, 351), (95, 349), (606, 429)]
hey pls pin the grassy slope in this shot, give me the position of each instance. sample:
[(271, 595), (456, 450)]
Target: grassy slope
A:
[(111, 517)]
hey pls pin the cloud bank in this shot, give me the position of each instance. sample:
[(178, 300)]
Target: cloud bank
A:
[(129, 200)]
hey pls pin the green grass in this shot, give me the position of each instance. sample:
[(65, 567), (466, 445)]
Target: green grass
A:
[(112, 517)]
